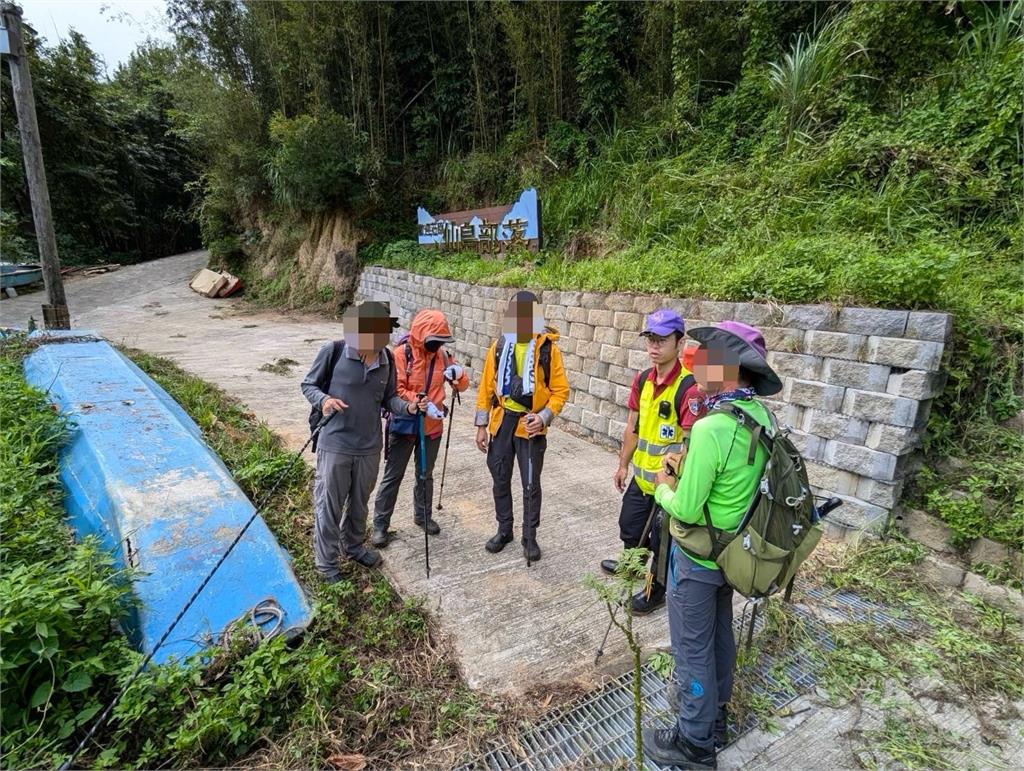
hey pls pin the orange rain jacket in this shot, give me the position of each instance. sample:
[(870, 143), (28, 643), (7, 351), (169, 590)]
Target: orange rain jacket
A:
[(548, 397), (410, 380)]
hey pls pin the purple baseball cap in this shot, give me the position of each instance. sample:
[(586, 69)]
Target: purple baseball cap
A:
[(663, 322)]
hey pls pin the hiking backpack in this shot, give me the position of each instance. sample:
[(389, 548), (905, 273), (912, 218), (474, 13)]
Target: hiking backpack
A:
[(324, 383), (780, 527)]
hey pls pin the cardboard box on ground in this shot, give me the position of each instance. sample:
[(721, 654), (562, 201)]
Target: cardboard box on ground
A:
[(211, 283)]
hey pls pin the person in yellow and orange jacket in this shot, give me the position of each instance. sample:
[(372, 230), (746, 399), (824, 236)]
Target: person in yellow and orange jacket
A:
[(522, 388), (422, 366)]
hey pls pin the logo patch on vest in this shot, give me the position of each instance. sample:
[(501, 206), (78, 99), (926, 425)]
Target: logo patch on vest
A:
[(667, 432)]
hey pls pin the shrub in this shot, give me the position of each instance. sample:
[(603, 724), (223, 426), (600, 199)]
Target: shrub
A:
[(316, 161)]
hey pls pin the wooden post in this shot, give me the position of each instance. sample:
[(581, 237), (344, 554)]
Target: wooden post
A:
[(55, 312)]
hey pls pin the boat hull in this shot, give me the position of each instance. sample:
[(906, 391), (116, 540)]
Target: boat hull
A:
[(138, 475)]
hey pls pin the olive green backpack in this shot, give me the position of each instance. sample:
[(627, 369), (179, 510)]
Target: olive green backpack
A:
[(778, 531)]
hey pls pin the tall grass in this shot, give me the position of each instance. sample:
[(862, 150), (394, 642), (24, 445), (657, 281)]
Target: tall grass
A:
[(811, 69)]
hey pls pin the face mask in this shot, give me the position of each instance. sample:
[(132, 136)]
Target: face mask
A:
[(433, 346)]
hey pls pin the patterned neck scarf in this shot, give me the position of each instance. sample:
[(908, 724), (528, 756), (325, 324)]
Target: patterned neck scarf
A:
[(737, 394), (507, 366)]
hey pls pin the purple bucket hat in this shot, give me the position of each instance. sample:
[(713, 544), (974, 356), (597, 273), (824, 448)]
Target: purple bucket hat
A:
[(663, 322), (747, 343)]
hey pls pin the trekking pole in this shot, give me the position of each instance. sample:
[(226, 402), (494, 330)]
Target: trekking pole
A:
[(529, 495), (643, 537), (167, 632), (447, 442), (421, 429)]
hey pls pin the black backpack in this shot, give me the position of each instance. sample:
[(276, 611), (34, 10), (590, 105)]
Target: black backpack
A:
[(324, 384)]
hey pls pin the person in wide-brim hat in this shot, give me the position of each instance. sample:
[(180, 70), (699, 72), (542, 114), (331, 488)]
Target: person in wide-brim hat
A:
[(746, 343), (723, 469)]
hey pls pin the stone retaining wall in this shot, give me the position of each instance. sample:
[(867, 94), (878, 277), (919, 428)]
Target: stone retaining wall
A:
[(858, 381)]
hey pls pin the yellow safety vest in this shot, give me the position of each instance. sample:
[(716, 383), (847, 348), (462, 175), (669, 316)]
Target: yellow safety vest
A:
[(657, 435)]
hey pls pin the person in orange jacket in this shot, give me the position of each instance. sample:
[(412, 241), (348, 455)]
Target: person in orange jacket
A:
[(422, 366), (522, 388)]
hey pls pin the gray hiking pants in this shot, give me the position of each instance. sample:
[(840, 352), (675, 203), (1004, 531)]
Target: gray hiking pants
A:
[(700, 624), (341, 494), (401, 448)]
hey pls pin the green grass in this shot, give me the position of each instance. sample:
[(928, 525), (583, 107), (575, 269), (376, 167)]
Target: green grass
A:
[(60, 600), (368, 677)]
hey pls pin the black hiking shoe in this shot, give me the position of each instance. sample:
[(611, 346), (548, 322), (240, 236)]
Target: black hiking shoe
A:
[(432, 527), (609, 566), (531, 550), (368, 558), (720, 732), (331, 580), (642, 605), (498, 542), (379, 537), (721, 729), (667, 748)]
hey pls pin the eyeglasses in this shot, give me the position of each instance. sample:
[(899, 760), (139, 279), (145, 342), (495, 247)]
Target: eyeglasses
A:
[(657, 341)]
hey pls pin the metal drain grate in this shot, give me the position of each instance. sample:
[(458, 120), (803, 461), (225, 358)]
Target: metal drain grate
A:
[(856, 608), (597, 730)]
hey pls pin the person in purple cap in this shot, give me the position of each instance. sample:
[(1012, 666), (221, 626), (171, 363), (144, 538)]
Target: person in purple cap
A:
[(659, 421), (718, 481)]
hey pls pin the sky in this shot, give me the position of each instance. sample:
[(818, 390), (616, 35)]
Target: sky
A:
[(114, 28)]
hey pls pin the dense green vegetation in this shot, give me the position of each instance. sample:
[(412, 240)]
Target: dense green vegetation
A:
[(119, 176), (367, 680)]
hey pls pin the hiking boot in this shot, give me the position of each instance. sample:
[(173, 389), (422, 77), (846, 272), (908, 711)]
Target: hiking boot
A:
[(667, 748), (609, 566), (531, 550), (642, 605), (497, 542), (379, 537), (331, 580), (432, 527), (720, 732), (721, 729), (368, 558)]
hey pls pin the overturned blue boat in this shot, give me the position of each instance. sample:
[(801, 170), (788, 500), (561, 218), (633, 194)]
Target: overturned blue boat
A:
[(138, 475)]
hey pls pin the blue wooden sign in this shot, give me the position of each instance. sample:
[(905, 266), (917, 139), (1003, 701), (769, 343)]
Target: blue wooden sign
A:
[(493, 230)]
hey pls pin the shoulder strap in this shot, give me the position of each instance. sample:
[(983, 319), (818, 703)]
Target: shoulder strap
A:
[(684, 386), (430, 375), (642, 379), (408, 355), (545, 360), (753, 426), (337, 346)]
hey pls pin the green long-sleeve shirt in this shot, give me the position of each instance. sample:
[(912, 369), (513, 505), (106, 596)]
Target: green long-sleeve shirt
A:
[(716, 472)]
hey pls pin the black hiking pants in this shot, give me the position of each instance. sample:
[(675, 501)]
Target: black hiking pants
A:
[(506, 448)]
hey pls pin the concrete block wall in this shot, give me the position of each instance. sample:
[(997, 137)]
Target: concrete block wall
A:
[(858, 382)]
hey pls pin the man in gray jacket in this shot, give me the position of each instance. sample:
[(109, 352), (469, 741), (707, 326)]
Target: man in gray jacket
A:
[(349, 446)]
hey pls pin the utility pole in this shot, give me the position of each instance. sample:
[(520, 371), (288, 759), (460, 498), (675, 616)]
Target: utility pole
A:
[(55, 312)]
